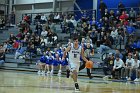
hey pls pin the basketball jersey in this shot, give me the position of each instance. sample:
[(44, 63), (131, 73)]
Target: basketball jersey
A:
[(74, 54)]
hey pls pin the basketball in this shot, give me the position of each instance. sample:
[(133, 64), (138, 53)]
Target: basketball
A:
[(89, 64)]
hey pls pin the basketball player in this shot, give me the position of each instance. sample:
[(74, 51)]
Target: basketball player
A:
[(75, 51)]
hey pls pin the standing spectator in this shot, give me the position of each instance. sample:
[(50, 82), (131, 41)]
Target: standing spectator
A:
[(121, 7), (102, 8), (132, 15), (38, 28)]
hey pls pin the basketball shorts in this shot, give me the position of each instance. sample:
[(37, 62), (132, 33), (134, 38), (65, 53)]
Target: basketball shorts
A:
[(74, 66)]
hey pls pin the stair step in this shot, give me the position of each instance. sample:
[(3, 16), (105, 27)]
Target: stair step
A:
[(9, 55), (10, 65)]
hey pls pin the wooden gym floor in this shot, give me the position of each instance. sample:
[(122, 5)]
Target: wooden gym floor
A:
[(29, 82)]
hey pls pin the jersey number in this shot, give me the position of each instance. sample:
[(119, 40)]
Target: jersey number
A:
[(75, 55)]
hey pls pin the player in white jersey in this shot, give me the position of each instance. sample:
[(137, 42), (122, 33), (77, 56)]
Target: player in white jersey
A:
[(75, 51)]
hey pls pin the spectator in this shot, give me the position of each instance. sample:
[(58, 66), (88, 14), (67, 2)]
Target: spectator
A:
[(108, 65), (118, 66), (128, 67), (105, 46), (43, 19), (2, 57), (121, 7), (102, 7), (88, 52), (49, 36), (136, 67), (38, 29), (37, 19), (106, 13), (20, 51), (132, 15), (123, 18), (73, 21), (118, 54), (114, 35), (130, 29), (15, 45)]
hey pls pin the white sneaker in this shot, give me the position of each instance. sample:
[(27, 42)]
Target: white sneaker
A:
[(136, 79), (51, 73), (43, 72), (39, 72), (105, 78), (48, 72), (59, 74), (129, 78)]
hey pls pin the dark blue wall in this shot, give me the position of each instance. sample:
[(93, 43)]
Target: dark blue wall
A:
[(88, 4), (114, 4), (127, 3), (84, 5)]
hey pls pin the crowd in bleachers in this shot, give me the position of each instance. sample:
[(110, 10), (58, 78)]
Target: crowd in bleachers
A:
[(113, 28)]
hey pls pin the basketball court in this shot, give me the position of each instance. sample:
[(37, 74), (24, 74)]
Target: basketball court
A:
[(30, 82)]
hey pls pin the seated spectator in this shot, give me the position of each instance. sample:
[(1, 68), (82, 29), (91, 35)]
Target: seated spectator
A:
[(124, 18), (118, 66), (57, 18), (136, 67), (49, 36), (43, 19), (15, 44), (118, 53), (2, 57), (31, 50), (37, 18), (73, 21), (114, 35), (26, 18), (106, 13), (11, 39), (130, 29), (128, 67), (136, 52), (105, 46), (38, 29), (20, 51), (108, 65), (2, 48)]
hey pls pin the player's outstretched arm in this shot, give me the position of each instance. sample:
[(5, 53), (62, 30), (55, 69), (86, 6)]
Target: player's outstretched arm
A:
[(65, 52)]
